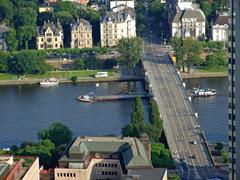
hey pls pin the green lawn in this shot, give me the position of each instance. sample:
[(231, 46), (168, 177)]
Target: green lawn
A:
[(56, 74), (221, 69), (6, 76)]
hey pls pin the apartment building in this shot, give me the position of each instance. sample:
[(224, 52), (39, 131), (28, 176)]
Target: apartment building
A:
[(49, 36), (20, 167), (220, 28), (117, 25), (107, 158), (81, 34), (234, 89), (189, 21)]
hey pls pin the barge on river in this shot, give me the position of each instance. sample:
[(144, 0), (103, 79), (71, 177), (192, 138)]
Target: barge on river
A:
[(93, 98)]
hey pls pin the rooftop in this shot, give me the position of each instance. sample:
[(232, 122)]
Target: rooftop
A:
[(119, 16), (188, 13), (80, 22), (221, 20), (131, 150), (56, 28)]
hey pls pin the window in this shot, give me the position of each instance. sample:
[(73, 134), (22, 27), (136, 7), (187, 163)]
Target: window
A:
[(56, 45), (74, 175), (64, 174), (42, 39), (55, 39)]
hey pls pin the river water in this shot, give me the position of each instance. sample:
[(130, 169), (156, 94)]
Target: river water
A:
[(26, 109), (213, 111)]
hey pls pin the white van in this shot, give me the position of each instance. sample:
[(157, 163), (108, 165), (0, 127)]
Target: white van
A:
[(101, 75)]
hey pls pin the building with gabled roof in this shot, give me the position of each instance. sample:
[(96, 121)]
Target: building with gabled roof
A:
[(81, 34), (115, 25), (220, 28), (49, 36), (104, 158), (189, 23)]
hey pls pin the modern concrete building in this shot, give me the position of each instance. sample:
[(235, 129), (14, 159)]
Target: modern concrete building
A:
[(49, 36), (234, 89), (108, 158), (81, 34), (220, 28), (117, 25), (20, 167), (3, 34)]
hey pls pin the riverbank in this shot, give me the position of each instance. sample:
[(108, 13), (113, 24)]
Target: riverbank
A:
[(64, 77), (198, 74)]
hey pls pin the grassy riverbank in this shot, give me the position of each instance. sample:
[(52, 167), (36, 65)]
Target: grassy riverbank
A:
[(206, 72), (56, 74)]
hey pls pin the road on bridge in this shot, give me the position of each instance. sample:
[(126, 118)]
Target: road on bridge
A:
[(181, 127)]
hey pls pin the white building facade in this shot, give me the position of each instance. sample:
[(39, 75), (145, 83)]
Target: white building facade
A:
[(129, 3), (220, 29), (117, 25)]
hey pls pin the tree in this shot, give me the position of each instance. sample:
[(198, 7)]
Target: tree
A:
[(77, 65), (225, 156), (180, 52), (11, 40), (219, 146), (6, 12), (30, 62), (173, 177), (137, 112), (160, 156), (43, 150), (137, 125), (67, 7), (4, 56), (156, 8), (155, 120), (131, 50), (25, 17), (193, 48), (64, 17), (58, 133), (25, 34)]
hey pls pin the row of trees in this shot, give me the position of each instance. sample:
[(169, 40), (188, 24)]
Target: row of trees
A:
[(189, 53), (52, 142), (138, 124), (93, 63), (23, 17), (29, 62)]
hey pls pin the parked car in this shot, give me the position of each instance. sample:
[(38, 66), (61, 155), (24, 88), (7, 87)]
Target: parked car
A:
[(101, 75)]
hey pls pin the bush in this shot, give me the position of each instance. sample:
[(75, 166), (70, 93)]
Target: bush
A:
[(161, 156)]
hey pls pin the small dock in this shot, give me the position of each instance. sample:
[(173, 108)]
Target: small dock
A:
[(119, 97)]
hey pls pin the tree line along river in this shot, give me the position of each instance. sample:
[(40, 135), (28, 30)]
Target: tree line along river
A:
[(26, 109)]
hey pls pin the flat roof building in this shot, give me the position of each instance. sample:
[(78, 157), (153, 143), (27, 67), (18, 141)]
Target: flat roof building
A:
[(105, 157)]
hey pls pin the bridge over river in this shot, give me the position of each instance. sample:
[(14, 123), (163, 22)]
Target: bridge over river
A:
[(185, 138)]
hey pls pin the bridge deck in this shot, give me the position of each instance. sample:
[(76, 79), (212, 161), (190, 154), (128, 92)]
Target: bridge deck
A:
[(178, 115)]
